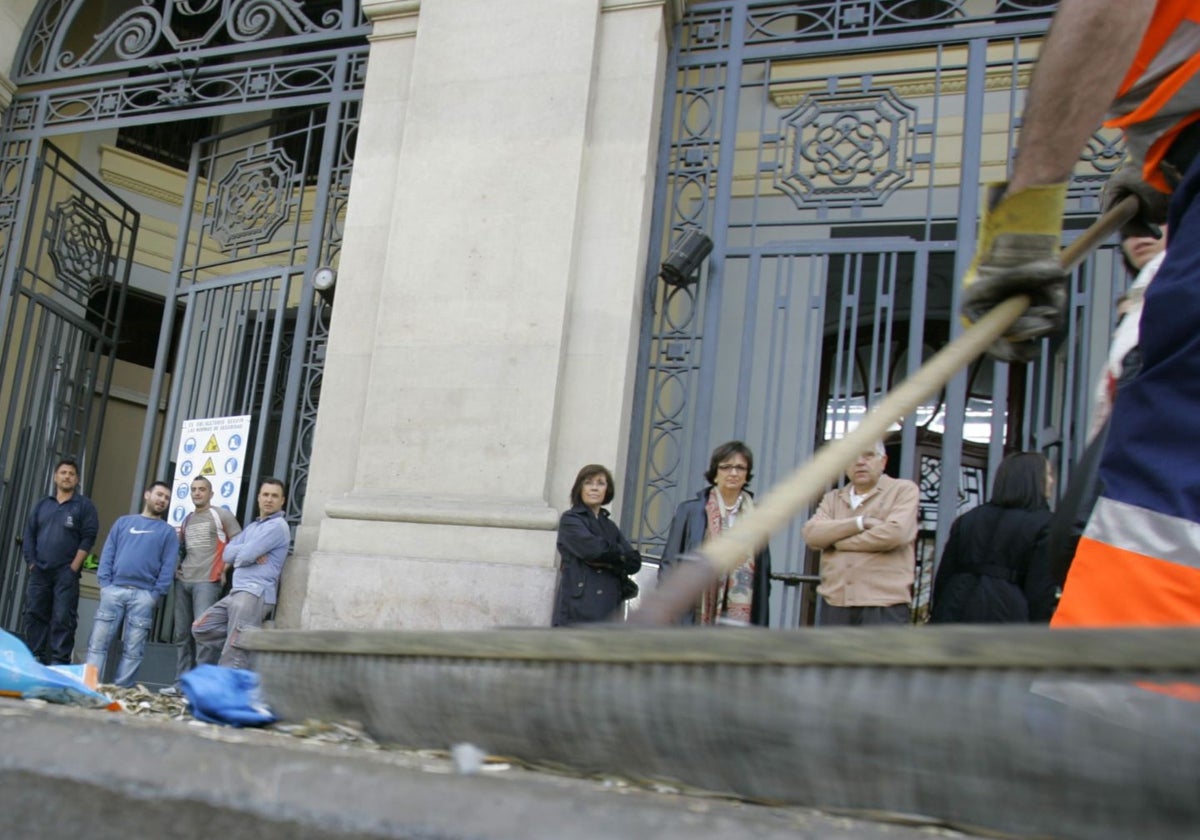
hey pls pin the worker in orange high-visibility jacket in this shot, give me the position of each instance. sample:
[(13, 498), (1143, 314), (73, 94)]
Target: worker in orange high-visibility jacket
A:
[(1138, 562)]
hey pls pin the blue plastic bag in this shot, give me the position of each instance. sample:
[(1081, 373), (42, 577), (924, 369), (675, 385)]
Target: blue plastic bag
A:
[(23, 676), (230, 696)]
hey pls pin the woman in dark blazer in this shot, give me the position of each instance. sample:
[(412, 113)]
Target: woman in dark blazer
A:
[(742, 596), (995, 566), (597, 560)]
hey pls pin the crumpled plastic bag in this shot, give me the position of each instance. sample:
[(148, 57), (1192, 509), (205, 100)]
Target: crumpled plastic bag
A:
[(229, 696), (23, 676)]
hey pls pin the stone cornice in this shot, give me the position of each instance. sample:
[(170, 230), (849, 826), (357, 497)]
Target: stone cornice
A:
[(377, 10), (793, 80), (533, 515), (672, 9), (392, 19), (619, 5), (143, 176)]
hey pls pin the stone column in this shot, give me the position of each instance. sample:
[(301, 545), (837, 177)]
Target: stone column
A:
[(492, 353), (14, 14), (360, 281)]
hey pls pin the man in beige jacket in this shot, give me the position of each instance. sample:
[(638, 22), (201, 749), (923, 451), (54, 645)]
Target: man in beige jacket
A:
[(865, 532)]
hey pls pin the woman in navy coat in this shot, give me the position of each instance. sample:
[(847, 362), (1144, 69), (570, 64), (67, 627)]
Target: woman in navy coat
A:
[(995, 566), (597, 560)]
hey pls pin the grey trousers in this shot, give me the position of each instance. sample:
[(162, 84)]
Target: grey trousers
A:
[(191, 600), (831, 616), (219, 626)]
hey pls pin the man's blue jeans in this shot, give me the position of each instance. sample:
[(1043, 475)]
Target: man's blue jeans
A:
[(137, 608)]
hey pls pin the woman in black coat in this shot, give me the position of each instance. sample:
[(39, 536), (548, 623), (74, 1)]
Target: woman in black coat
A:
[(742, 596), (597, 560), (995, 567)]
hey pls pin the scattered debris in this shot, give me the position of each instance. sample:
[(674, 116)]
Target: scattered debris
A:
[(463, 758), (468, 758), (23, 677)]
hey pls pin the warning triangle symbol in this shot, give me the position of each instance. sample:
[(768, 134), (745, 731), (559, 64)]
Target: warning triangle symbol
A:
[(212, 445), (208, 468)]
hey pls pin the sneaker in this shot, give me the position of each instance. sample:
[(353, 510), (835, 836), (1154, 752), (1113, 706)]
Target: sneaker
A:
[(170, 691)]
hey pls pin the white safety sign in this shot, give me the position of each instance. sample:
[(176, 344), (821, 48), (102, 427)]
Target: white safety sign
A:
[(212, 447)]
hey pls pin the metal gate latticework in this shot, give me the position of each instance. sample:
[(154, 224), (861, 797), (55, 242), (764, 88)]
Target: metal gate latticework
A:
[(846, 147), (253, 330), (834, 153), (272, 207), (208, 29), (61, 322)]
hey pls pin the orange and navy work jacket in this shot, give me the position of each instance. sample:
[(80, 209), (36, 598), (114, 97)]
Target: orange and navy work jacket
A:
[(1160, 95)]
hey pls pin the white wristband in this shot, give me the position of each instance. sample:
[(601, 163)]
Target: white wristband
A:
[(859, 520)]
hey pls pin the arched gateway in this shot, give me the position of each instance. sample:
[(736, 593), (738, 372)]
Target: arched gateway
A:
[(171, 175)]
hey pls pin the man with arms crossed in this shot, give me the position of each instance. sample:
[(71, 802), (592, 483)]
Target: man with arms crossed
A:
[(865, 532), (256, 555)]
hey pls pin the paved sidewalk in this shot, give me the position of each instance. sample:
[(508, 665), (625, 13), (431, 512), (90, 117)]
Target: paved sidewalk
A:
[(69, 773)]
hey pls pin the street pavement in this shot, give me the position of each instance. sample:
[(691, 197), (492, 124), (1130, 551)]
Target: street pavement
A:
[(73, 773)]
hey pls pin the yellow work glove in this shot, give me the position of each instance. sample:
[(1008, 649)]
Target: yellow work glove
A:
[(1017, 254)]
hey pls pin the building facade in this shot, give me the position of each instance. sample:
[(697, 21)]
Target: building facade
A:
[(495, 184)]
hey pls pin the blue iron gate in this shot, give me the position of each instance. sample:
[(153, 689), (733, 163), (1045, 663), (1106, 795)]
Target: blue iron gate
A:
[(253, 331), (834, 153), (272, 196), (61, 322), (164, 61)]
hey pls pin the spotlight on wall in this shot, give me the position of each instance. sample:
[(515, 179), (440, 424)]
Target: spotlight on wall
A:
[(685, 256), (323, 280)]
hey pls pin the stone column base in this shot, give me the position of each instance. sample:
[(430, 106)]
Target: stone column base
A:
[(431, 564)]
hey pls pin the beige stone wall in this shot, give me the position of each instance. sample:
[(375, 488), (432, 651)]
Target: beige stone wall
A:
[(360, 281), (485, 329), (13, 16)]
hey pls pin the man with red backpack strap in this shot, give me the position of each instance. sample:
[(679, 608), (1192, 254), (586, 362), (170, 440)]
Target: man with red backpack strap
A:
[(1138, 563), (200, 576)]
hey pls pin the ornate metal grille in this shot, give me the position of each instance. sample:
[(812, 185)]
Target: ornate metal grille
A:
[(253, 337), (834, 153), (61, 323), (202, 30), (279, 207), (851, 147), (785, 24), (304, 79)]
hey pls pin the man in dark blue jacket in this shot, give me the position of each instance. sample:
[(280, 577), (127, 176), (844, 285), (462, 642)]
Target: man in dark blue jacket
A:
[(59, 533), (137, 566)]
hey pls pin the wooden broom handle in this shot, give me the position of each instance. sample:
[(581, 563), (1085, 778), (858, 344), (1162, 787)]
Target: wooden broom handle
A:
[(680, 590)]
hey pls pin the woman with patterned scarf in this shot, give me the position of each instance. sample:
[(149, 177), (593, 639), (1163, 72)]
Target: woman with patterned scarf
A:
[(740, 597)]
